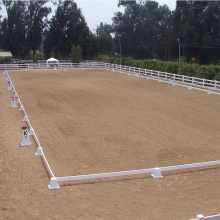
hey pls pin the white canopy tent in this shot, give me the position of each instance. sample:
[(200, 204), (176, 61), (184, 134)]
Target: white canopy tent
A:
[(52, 62)]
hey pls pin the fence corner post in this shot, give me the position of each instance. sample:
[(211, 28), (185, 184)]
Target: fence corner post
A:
[(53, 183), (200, 217)]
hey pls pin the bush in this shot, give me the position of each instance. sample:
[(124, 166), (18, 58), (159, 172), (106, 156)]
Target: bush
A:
[(211, 72), (76, 54)]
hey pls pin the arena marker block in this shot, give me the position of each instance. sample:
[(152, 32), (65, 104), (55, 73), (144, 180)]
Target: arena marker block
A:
[(209, 93), (148, 78), (25, 137), (190, 88), (157, 173), (39, 151), (13, 89), (21, 108), (160, 81), (16, 94), (13, 103), (53, 183), (31, 132), (136, 75), (9, 86), (113, 70), (25, 118), (173, 84)]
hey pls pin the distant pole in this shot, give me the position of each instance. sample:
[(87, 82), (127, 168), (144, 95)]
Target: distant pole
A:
[(169, 35), (179, 54), (120, 52)]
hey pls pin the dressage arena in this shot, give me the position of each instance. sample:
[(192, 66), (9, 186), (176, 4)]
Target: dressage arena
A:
[(96, 121)]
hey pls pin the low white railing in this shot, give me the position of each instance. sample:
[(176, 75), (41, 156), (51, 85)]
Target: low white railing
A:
[(156, 173), (213, 85), (39, 150), (64, 65), (213, 217)]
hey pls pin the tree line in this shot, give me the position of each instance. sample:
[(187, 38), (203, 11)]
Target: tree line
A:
[(145, 30)]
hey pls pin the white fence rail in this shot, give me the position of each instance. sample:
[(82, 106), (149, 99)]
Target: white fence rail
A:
[(156, 173), (187, 80), (213, 217), (39, 150), (64, 65), (213, 85)]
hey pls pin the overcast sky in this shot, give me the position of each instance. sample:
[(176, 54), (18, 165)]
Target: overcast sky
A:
[(96, 11)]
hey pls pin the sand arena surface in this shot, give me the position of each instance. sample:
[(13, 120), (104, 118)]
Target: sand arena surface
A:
[(93, 121)]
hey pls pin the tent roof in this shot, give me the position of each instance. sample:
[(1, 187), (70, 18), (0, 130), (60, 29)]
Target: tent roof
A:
[(52, 60), (6, 54)]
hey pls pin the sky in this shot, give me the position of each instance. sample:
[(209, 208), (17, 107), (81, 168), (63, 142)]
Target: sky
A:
[(96, 11)]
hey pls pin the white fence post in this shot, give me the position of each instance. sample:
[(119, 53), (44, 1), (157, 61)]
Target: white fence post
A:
[(215, 84), (200, 217), (203, 83), (183, 78)]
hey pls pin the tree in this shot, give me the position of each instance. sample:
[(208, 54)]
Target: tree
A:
[(76, 54), (22, 28), (196, 24), (67, 27), (142, 29), (105, 40), (13, 28), (36, 22)]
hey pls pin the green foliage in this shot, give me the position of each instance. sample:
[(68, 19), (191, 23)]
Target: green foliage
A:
[(211, 72), (67, 28), (2, 59), (145, 31), (22, 28), (104, 58), (76, 54)]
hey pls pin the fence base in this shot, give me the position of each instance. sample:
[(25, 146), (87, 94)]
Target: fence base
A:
[(39, 151), (157, 173), (53, 183)]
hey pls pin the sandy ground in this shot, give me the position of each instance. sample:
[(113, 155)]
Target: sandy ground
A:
[(93, 121)]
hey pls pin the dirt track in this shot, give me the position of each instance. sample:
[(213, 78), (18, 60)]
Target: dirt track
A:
[(96, 121)]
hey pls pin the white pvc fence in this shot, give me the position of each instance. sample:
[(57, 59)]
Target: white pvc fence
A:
[(213, 217), (174, 79), (156, 172), (41, 65), (31, 132), (168, 77)]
